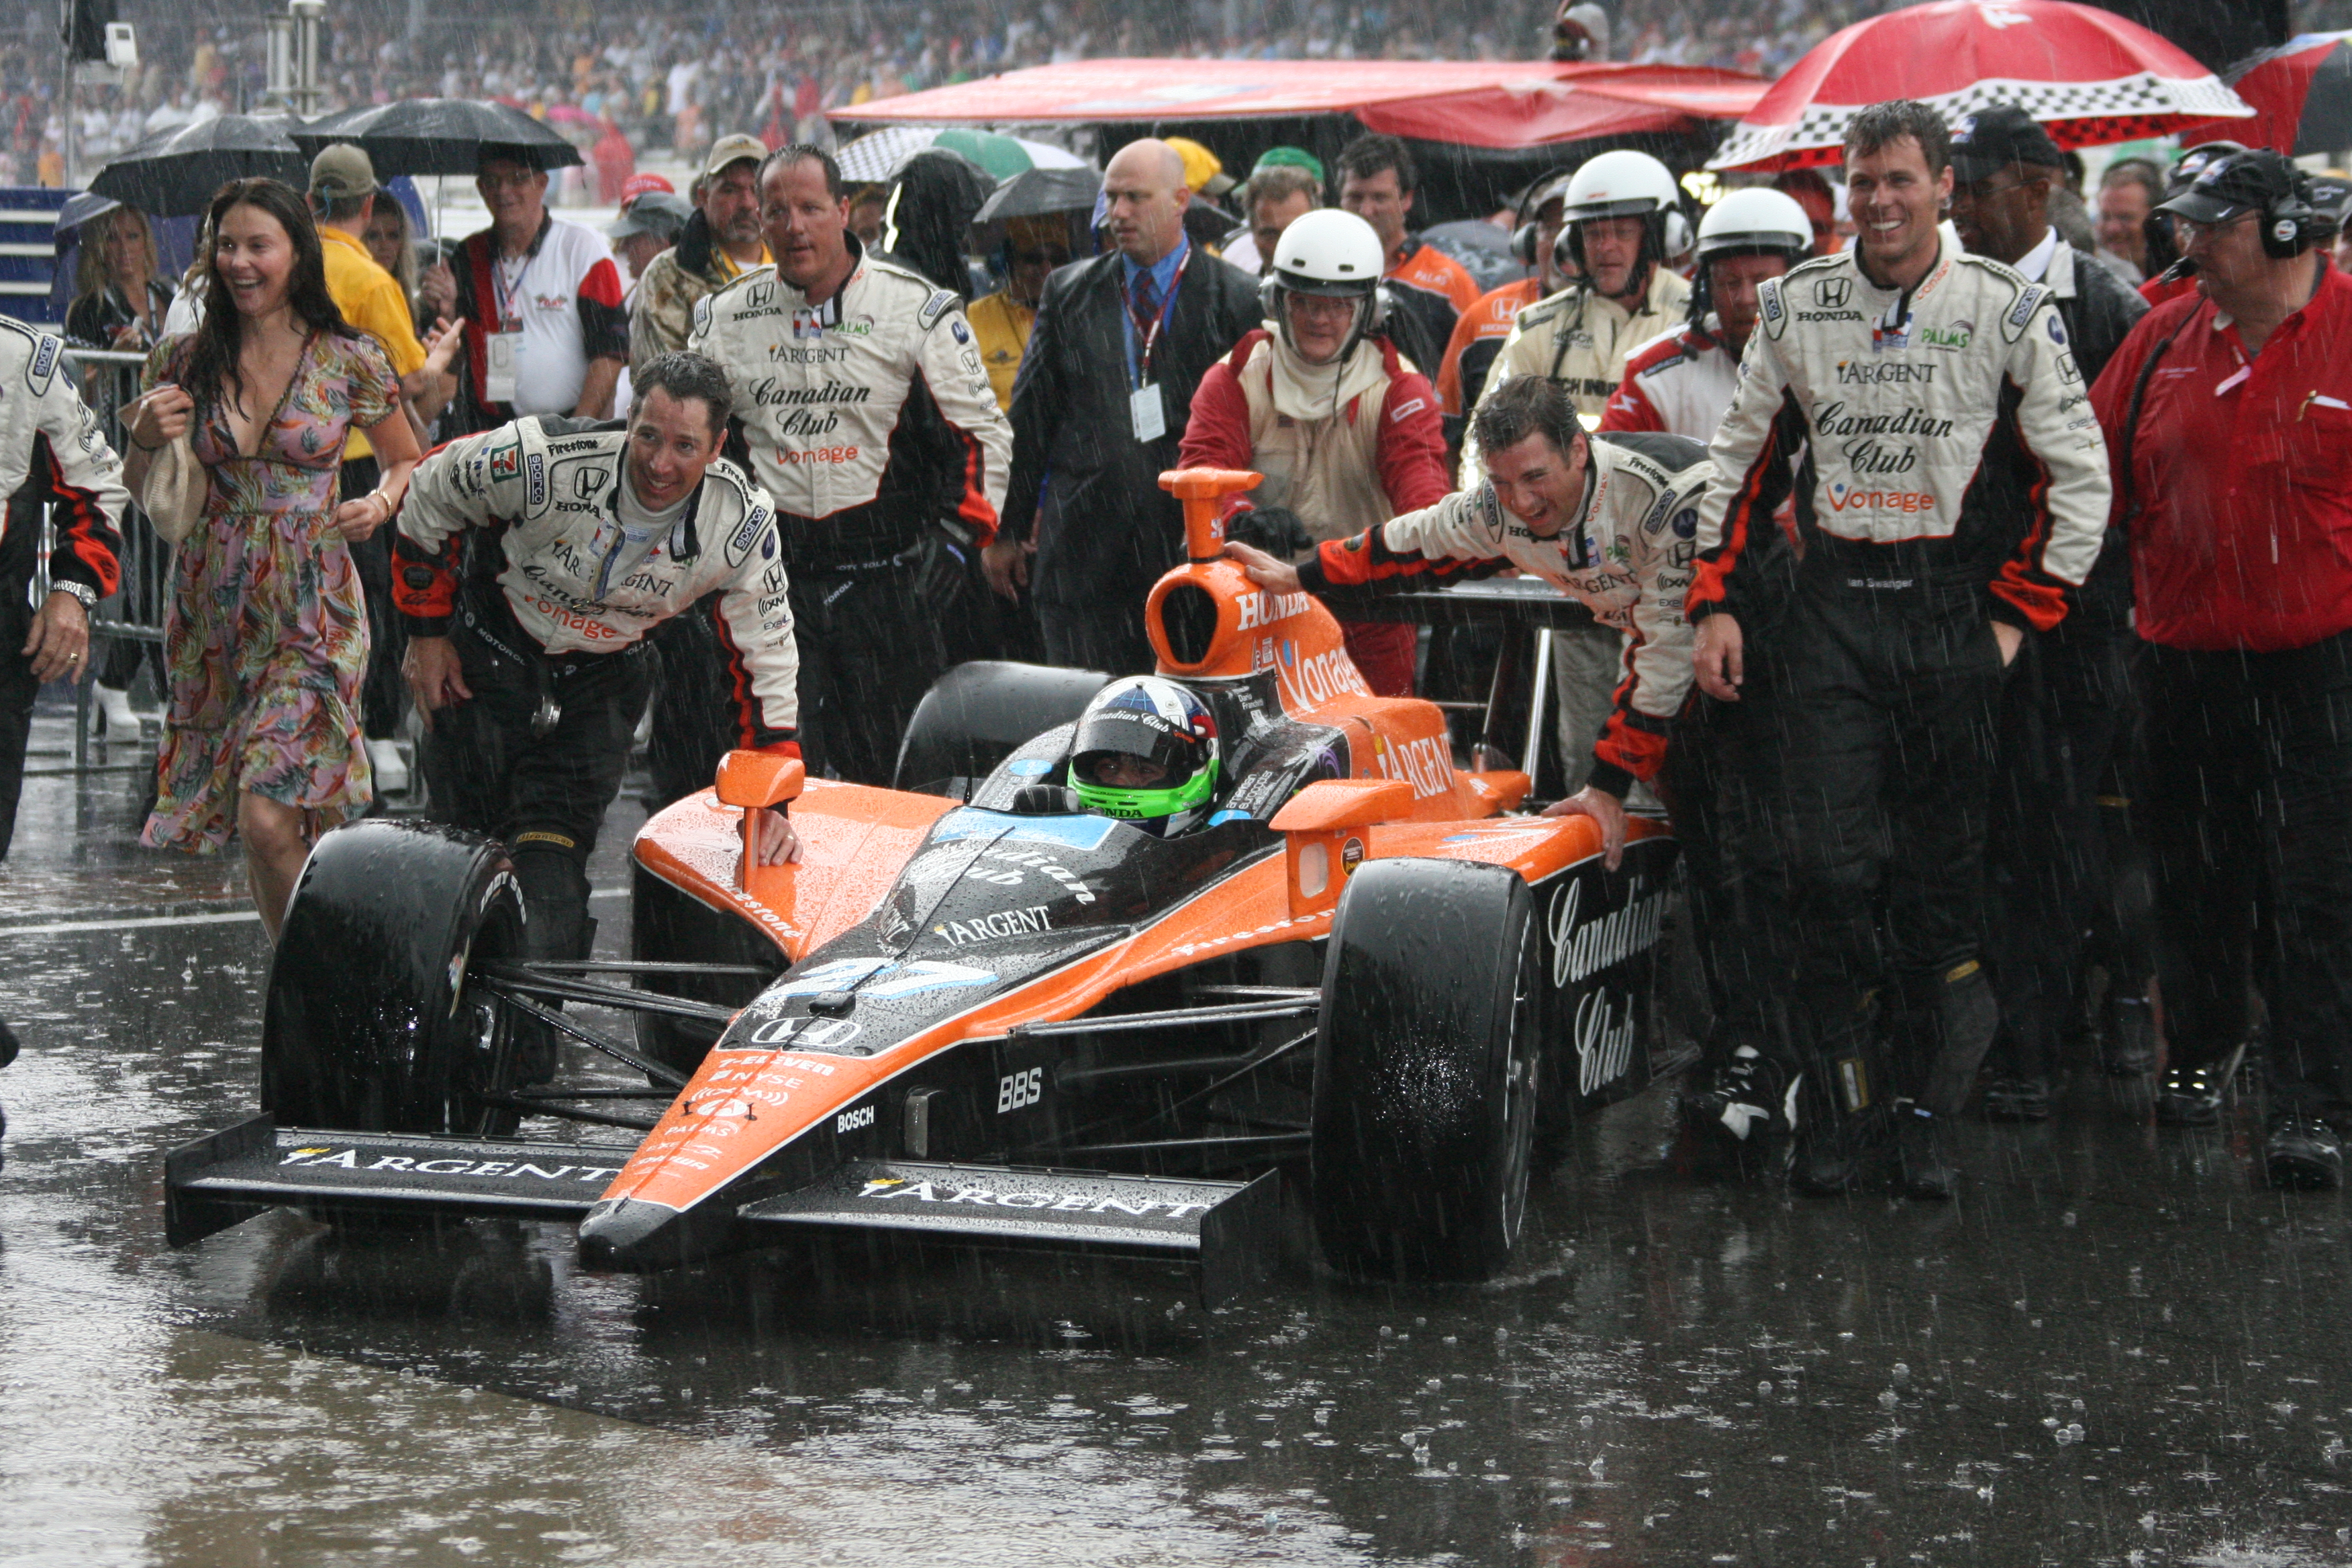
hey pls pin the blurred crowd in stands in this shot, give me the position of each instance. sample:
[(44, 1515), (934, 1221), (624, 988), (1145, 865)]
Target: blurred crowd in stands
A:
[(665, 83)]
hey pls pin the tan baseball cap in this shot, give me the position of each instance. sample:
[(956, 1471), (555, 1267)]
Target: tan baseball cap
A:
[(342, 170), (732, 150)]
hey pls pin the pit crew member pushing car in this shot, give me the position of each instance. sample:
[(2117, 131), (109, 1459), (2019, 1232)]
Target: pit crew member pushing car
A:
[(869, 417), (1345, 431), (532, 561), (1954, 490), (1608, 523), (1620, 225)]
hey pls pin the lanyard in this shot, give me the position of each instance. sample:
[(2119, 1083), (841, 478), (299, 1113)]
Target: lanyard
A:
[(1147, 334), (503, 292)]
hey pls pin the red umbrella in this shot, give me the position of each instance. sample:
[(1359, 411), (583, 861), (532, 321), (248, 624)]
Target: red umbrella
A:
[(2090, 77), (2302, 94)]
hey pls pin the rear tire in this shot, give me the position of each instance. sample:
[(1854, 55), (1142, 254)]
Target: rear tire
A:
[(371, 1024), (1426, 1071)]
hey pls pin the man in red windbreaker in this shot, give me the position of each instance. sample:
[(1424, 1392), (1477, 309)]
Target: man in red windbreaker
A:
[(1345, 431), (2229, 422)]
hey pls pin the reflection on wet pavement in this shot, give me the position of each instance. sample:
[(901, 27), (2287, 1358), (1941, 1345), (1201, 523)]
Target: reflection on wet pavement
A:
[(2114, 1350)]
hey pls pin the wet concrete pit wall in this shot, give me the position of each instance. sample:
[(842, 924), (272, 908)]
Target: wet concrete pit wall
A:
[(2114, 1350)]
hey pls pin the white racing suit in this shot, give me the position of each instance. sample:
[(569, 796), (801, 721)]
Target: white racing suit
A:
[(531, 552), (1626, 558), (1946, 472), (871, 420)]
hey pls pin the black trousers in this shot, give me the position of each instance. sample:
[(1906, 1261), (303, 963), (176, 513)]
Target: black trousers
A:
[(383, 696), (2248, 815), (1711, 784), (18, 691), (2064, 707), (544, 796), (1879, 706), (869, 647), (1107, 636)]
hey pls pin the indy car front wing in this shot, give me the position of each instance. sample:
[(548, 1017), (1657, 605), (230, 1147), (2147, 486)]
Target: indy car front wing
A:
[(1225, 1232)]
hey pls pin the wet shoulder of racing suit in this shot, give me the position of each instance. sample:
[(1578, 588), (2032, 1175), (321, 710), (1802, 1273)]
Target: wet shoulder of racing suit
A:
[(871, 413), (1627, 559), (53, 449), (520, 528)]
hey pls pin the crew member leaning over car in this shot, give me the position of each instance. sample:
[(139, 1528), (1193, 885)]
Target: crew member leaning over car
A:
[(1608, 523), (533, 559)]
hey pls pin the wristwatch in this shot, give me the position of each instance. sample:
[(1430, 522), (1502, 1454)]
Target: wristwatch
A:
[(84, 594)]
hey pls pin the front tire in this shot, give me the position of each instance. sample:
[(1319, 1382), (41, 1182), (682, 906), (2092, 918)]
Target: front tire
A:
[(371, 1022), (1425, 1071)]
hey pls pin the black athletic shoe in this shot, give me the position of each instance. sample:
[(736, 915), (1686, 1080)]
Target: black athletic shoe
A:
[(2192, 1096), (2010, 1098), (7, 1044), (1921, 1167), (1827, 1167), (2127, 1047), (1751, 1100), (2302, 1153)]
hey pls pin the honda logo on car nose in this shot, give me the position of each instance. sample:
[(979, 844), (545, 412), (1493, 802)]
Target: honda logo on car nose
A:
[(806, 1033), (1831, 293)]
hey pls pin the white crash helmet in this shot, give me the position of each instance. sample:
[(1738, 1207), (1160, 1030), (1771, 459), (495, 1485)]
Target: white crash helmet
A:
[(1754, 221), (1333, 254), (1624, 183)]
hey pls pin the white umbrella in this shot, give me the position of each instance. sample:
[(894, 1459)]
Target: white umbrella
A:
[(876, 158)]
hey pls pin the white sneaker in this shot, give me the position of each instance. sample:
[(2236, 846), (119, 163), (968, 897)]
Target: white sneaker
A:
[(122, 720), (391, 768)]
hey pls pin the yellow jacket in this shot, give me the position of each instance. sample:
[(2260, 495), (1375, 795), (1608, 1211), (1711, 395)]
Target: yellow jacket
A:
[(1003, 328)]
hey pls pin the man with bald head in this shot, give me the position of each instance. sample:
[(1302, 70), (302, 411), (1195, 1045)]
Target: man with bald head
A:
[(1099, 410)]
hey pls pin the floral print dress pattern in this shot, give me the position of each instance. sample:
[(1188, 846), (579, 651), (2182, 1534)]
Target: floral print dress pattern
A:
[(265, 639)]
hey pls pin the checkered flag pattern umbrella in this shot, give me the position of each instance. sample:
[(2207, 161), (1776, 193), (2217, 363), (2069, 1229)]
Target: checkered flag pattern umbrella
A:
[(2091, 77)]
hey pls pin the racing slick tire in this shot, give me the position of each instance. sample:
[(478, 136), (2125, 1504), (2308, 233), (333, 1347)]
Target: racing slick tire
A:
[(1426, 1061), (978, 714), (369, 1024)]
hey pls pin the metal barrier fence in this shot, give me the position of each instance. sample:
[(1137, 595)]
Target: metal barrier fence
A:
[(132, 620)]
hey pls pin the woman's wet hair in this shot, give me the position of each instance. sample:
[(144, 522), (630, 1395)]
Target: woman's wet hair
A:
[(219, 337)]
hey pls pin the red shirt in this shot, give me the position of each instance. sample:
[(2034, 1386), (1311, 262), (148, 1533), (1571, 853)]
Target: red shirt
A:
[(2156, 291), (2240, 474)]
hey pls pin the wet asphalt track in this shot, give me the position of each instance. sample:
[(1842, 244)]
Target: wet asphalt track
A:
[(2114, 1350)]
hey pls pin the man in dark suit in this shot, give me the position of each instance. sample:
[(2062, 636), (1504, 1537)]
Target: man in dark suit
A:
[(1099, 410)]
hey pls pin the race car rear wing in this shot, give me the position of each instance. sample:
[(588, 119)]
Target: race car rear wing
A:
[(1224, 1232)]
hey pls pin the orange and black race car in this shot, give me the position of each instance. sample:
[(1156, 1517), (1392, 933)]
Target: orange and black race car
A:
[(975, 1013)]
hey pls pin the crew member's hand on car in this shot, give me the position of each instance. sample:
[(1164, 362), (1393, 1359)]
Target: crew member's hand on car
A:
[(436, 677), (778, 844), (1719, 657), (1265, 571), (61, 641), (1603, 808), (1005, 562)]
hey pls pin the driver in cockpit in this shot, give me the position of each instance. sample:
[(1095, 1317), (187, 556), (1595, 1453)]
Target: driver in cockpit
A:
[(1145, 751)]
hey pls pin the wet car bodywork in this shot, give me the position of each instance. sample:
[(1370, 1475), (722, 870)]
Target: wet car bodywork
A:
[(999, 1021)]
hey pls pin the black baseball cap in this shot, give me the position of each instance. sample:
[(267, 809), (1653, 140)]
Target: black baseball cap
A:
[(2242, 183), (1991, 138)]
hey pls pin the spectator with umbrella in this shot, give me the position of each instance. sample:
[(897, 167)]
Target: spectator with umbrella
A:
[(1032, 224)]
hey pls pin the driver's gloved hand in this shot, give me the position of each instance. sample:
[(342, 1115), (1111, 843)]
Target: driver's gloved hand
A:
[(1276, 530)]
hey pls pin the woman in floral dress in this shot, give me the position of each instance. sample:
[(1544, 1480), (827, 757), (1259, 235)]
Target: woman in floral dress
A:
[(267, 635)]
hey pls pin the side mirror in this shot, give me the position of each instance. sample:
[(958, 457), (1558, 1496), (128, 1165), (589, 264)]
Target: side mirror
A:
[(1328, 822), (753, 780)]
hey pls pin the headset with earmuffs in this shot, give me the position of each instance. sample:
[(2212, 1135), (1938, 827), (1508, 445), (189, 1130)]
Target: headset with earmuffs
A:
[(2291, 226)]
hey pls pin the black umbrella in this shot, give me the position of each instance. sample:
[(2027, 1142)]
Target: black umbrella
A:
[(173, 174), (440, 136), (1041, 191)]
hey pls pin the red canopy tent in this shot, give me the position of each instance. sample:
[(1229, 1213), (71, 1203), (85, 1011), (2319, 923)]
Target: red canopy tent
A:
[(1479, 103), (1480, 126)]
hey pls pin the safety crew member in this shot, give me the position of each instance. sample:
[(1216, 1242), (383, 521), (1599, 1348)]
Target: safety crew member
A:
[(1346, 433), (868, 415), (2063, 710), (1430, 288), (1953, 498), (2229, 414), (1608, 523), (1621, 224), (1682, 384), (532, 561)]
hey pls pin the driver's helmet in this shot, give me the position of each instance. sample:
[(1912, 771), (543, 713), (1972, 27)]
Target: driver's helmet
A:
[(1145, 751)]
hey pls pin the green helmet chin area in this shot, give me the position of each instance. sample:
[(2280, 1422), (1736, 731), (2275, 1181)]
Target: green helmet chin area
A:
[(1143, 804)]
